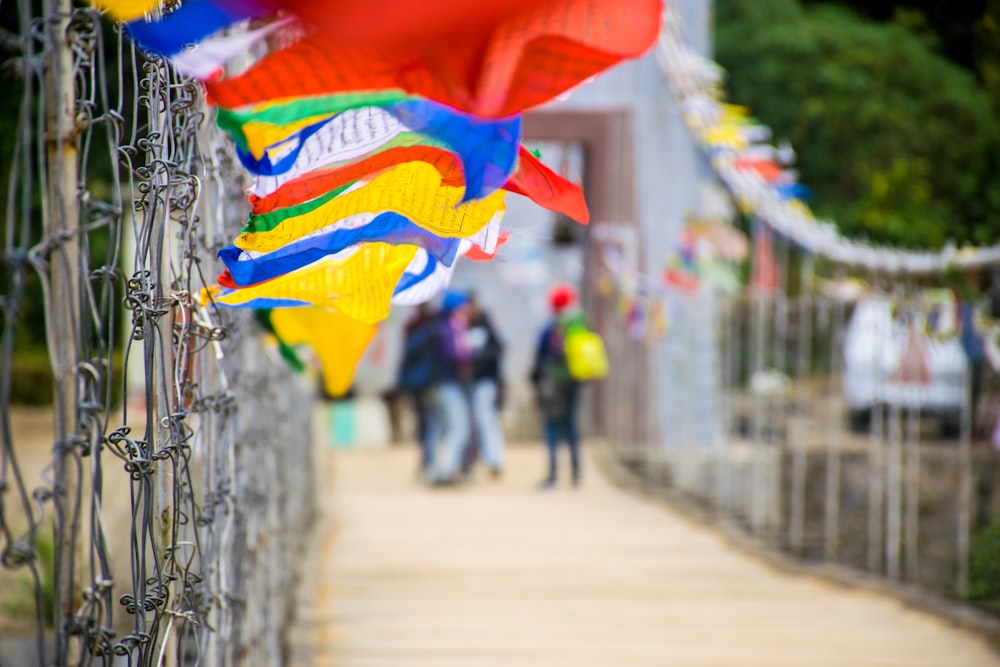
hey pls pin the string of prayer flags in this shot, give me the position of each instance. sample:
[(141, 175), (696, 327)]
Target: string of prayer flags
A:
[(774, 199), (488, 149), (380, 139), (412, 190), (249, 267), (640, 298), (531, 178)]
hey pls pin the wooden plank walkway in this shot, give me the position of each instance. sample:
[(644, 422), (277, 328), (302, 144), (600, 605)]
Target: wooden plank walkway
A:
[(498, 574)]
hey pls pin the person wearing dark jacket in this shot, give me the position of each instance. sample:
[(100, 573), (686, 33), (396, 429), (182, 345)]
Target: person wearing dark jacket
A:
[(487, 351), (418, 374), (557, 394)]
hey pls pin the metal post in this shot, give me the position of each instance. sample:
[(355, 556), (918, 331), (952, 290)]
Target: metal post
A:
[(964, 490), (164, 403), (911, 499), (894, 494), (61, 214), (777, 410), (876, 460), (725, 384), (758, 511), (831, 521), (799, 460)]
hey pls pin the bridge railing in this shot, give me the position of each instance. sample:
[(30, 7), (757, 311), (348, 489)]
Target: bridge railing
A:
[(834, 425), (839, 406)]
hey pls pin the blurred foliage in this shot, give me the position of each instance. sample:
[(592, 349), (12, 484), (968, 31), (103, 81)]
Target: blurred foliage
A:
[(30, 361), (32, 382), (31, 378), (984, 565), (898, 144), (20, 600), (967, 33)]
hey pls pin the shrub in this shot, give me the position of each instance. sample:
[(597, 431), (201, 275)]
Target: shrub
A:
[(32, 382), (984, 564)]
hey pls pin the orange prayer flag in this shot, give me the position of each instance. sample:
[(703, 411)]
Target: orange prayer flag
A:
[(313, 184), (531, 179)]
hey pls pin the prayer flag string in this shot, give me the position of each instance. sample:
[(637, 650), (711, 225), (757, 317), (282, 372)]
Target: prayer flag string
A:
[(381, 139)]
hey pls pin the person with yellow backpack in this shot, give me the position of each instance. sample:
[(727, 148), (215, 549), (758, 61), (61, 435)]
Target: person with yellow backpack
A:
[(568, 354)]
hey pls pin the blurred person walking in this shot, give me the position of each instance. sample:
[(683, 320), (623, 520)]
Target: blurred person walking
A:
[(485, 395), (455, 372), (419, 373), (969, 306), (556, 392)]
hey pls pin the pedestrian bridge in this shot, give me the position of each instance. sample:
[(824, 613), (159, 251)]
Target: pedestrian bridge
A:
[(496, 573)]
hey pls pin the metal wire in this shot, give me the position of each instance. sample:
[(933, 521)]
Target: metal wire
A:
[(215, 449)]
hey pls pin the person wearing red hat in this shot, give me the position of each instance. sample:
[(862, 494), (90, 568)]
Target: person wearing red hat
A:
[(562, 297), (556, 392)]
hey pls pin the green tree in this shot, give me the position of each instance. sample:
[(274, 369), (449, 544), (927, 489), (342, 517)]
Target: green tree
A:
[(967, 33), (897, 143)]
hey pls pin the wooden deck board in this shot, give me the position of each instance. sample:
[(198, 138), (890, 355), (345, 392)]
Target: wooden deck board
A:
[(497, 574)]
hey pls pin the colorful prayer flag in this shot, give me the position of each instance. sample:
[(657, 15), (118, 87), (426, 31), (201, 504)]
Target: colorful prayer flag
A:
[(412, 190), (491, 66), (358, 283), (338, 341)]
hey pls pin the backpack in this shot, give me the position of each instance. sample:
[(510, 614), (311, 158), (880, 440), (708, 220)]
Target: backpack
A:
[(586, 357)]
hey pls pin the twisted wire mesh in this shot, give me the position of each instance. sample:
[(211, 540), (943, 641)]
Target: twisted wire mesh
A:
[(138, 191)]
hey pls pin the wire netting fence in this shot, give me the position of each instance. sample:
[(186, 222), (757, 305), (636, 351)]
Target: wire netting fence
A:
[(167, 525)]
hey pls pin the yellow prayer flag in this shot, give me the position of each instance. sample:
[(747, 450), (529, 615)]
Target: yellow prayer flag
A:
[(725, 135), (411, 189), (337, 340), (359, 285), (127, 10), (735, 112)]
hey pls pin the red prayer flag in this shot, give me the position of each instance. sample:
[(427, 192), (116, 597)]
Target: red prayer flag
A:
[(531, 179), (472, 56), (225, 279), (766, 276), (547, 188), (768, 169), (313, 184)]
